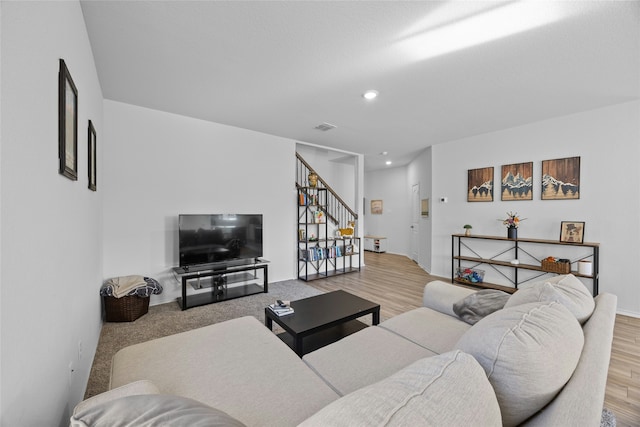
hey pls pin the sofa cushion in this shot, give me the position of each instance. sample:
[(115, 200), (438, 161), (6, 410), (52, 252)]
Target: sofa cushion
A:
[(480, 304), (529, 353), (152, 410), (446, 390), (441, 296), (217, 363), (568, 290), (131, 389), (363, 358), (428, 328)]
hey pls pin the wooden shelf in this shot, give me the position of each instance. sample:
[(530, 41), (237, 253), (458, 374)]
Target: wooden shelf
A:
[(522, 266), (516, 245)]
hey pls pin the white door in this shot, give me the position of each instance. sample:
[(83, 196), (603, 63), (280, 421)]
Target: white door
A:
[(415, 221)]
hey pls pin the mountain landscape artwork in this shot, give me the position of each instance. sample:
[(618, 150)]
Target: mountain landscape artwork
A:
[(517, 181), (480, 185), (561, 179)]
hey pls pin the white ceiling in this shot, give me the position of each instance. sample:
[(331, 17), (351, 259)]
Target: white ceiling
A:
[(284, 67)]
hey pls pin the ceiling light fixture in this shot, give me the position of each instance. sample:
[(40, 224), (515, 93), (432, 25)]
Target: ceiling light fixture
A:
[(388, 162), (370, 95)]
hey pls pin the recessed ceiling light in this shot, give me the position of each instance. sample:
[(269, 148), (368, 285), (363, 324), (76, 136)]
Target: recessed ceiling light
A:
[(388, 162), (370, 94)]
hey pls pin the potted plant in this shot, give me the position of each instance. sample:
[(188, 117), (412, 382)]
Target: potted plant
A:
[(467, 229)]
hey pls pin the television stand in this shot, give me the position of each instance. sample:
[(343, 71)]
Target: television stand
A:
[(227, 282)]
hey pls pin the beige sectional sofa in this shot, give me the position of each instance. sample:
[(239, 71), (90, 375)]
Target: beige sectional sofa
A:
[(542, 360)]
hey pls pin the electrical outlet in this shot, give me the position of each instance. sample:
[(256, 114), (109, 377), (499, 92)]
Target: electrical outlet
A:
[(72, 369)]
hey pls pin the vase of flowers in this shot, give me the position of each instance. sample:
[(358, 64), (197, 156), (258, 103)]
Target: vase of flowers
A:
[(512, 222)]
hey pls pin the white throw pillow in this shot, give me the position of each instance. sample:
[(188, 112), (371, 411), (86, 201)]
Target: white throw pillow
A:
[(152, 410), (568, 290), (450, 389), (529, 352)]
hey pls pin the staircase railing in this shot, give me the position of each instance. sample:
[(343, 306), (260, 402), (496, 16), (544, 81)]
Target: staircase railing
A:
[(336, 209)]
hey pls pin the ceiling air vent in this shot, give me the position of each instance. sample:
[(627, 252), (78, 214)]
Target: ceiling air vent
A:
[(325, 127)]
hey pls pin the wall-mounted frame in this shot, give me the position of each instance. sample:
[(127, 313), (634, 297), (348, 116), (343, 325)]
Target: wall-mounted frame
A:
[(67, 124), (572, 231), (480, 185), (517, 181), (424, 207), (376, 207), (91, 150), (561, 179)]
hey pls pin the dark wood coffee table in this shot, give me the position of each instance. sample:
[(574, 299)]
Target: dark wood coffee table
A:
[(322, 319)]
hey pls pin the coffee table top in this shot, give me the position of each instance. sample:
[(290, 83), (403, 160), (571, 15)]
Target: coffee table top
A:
[(321, 311)]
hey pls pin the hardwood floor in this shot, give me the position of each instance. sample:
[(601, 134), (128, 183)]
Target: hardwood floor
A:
[(397, 283)]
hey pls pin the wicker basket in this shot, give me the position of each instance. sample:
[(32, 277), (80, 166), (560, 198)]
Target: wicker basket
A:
[(125, 309), (556, 267)]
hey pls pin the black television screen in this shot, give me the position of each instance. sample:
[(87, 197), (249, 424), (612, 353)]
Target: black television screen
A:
[(205, 239)]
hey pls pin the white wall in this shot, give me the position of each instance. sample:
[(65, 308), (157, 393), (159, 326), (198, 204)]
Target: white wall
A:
[(607, 141), (393, 188), (51, 235), (158, 165)]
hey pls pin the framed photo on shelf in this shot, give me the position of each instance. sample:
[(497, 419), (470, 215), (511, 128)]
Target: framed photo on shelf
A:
[(572, 231), (91, 149), (67, 123)]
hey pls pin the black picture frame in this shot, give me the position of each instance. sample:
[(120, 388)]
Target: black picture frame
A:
[(572, 231), (67, 124), (91, 150)]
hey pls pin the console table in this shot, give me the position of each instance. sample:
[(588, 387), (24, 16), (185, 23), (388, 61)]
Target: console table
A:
[(520, 246), (222, 275)]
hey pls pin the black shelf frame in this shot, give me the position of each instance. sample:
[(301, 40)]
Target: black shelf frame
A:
[(325, 267), (220, 291), (519, 245)]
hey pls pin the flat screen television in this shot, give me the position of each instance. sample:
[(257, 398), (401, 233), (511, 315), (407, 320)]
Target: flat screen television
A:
[(219, 238)]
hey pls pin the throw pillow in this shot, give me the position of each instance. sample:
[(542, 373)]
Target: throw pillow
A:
[(568, 290), (480, 304), (529, 352), (450, 389), (152, 410)]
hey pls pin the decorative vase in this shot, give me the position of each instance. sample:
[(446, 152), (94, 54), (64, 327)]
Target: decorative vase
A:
[(313, 179), (467, 232), (512, 233)]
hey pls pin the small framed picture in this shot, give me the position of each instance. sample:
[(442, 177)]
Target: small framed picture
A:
[(91, 138), (376, 207), (572, 232), (67, 124), (424, 207)]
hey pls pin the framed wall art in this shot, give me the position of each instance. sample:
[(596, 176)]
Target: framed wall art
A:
[(517, 181), (561, 179), (67, 124), (572, 231), (424, 207), (91, 150), (376, 207), (480, 185)]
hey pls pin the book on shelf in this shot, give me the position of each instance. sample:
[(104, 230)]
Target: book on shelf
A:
[(281, 310)]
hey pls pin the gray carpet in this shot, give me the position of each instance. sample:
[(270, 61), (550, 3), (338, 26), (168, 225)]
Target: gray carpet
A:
[(167, 319)]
